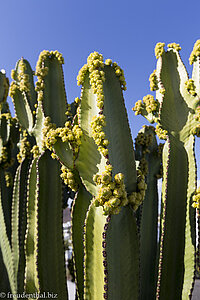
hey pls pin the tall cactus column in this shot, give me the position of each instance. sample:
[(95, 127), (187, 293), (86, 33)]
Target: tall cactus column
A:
[(148, 154), (42, 266), (174, 112), (107, 169)]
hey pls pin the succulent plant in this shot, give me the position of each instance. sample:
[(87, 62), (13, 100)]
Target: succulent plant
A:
[(52, 150), (175, 110)]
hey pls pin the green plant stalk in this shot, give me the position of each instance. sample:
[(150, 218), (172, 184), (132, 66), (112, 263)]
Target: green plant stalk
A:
[(177, 104), (80, 206), (92, 161), (45, 249), (149, 159)]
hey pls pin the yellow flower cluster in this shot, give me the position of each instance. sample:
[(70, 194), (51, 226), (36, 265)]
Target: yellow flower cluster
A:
[(68, 133), (35, 151), (48, 126), (136, 198), (162, 91), (5, 162), (6, 115), (111, 193), (195, 52), (77, 100), (153, 81), (138, 108), (190, 86), (175, 46), (97, 124), (25, 148), (151, 104), (161, 133), (159, 49), (4, 155), (8, 179), (81, 75), (13, 89), (196, 130), (69, 179), (196, 199), (197, 114)]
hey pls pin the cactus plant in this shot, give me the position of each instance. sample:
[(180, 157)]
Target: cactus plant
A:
[(31, 195), (148, 154), (87, 146), (175, 112), (105, 208)]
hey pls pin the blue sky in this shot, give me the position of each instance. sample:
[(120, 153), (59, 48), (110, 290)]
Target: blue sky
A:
[(126, 31)]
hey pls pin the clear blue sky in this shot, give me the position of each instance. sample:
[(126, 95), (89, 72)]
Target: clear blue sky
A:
[(125, 31)]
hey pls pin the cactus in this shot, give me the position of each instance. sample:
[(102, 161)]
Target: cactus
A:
[(28, 260), (105, 207), (148, 154), (87, 147), (175, 112)]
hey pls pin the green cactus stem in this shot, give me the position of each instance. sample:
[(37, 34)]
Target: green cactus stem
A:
[(122, 256), (45, 211), (4, 86), (50, 86), (176, 122), (94, 270), (101, 108), (79, 209), (107, 169), (6, 250), (149, 155), (23, 94)]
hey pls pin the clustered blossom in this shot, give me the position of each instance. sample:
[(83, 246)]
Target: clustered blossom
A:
[(195, 52), (148, 104), (35, 151), (196, 129), (25, 148), (97, 124), (175, 46), (159, 49), (190, 86), (153, 81), (111, 193), (69, 178), (161, 133), (136, 198), (196, 199), (138, 108)]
